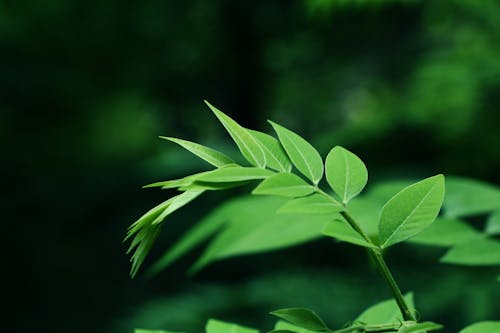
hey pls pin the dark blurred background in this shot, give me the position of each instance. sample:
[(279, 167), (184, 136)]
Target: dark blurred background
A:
[(413, 87)]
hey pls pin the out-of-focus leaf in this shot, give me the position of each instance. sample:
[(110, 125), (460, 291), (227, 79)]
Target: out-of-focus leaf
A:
[(285, 326), (276, 157), (480, 251), (210, 155), (420, 327), (260, 229), (285, 185), (302, 317), (493, 223), (312, 204), (302, 154), (217, 326), (140, 330), (346, 173), (483, 327), (344, 232), (249, 146), (445, 232), (465, 197), (411, 210), (234, 174), (384, 312)]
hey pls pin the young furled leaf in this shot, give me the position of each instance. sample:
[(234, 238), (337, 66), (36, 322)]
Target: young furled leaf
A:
[(344, 232), (479, 251), (217, 326), (302, 317), (411, 210), (493, 223), (210, 155), (234, 174), (285, 185), (276, 157), (312, 204), (483, 327), (302, 154), (420, 327), (249, 146), (346, 173)]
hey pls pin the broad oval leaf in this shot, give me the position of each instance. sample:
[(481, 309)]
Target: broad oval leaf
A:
[(385, 312), (301, 317), (217, 326), (411, 210), (302, 154), (285, 185), (276, 157), (445, 232), (493, 223), (466, 197), (312, 204), (234, 174), (483, 327), (210, 155), (344, 232), (420, 327), (346, 173), (480, 251), (248, 145)]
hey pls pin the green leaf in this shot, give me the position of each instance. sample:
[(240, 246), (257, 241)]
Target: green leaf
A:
[(210, 155), (420, 327), (285, 185), (302, 154), (346, 173), (483, 327), (217, 326), (312, 204), (249, 146), (257, 228), (177, 202), (344, 232), (466, 197), (302, 317), (234, 174), (142, 243), (139, 330), (285, 326), (493, 223), (385, 312), (276, 157), (411, 210), (479, 251), (281, 331), (445, 232)]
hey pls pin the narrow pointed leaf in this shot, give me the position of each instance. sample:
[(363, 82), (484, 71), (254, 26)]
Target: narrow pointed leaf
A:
[(445, 232), (411, 210), (421, 327), (312, 204), (302, 317), (479, 251), (276, 157), (385, 312), (285, 185), (210, 155), (249, 146), (217, 326), (302, 154), (282, 325), (493, 223), (234, 174), (147, 218), (142, 243), (342, 231), (466, 197), (177, 202), (346, 173), (483, 327)]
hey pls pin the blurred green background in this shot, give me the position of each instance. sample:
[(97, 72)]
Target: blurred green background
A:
[(87, 86)]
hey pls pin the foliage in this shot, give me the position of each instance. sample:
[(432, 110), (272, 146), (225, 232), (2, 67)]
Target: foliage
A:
[(273, 223)]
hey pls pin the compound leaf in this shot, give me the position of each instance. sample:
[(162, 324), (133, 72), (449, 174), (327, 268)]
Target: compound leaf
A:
[(285, 185), (344, 232), (312, 204), (302, 154), (302, 317), (480, 251), (483, 327), (411, 210), (346, 173), (248, 145), (276, 157), (210, 155), (217, 326)]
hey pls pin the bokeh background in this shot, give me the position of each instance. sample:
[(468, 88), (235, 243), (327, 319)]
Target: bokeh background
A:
[(413, 87)]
